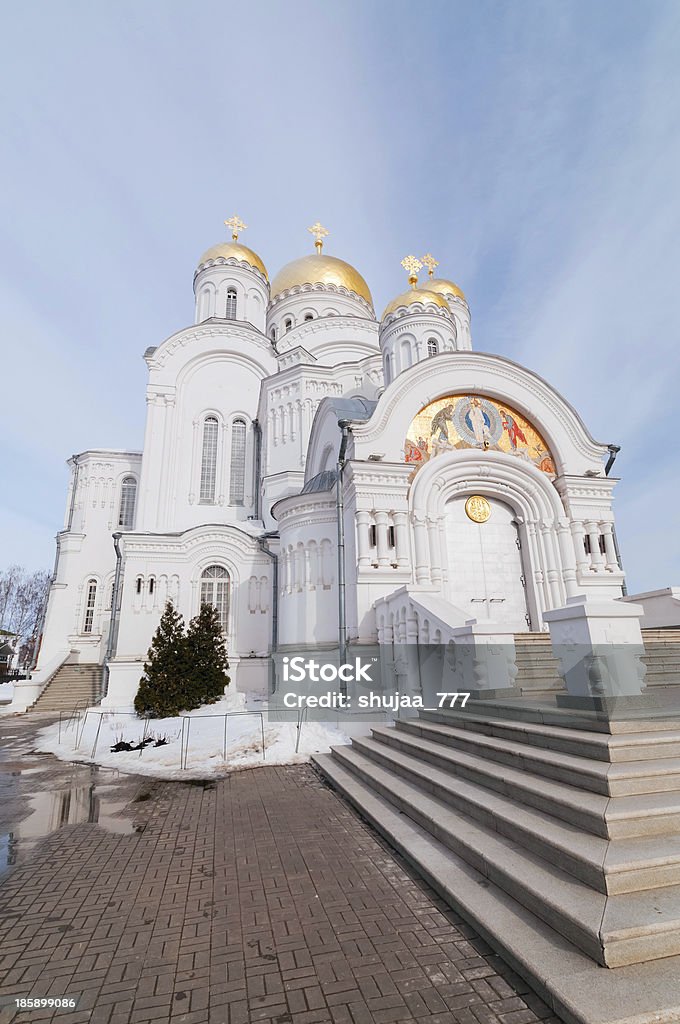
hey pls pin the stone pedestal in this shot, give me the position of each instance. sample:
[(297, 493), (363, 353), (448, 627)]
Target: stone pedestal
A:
[(599, 646), (482, 660), (123, 683)]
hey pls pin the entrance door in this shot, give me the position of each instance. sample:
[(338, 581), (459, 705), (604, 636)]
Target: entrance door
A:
[(486, 576)]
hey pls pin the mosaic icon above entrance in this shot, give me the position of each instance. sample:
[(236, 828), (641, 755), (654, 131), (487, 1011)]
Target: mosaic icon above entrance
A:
[(475, 421), (477, 508)]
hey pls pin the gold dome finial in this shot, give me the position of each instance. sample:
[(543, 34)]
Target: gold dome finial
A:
[(319, 232), (430, 262), (236, 225), (412, 265)]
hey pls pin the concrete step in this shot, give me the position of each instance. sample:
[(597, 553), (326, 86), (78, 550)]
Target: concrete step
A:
[(607, 817), (614, 930), (71, 686), (591, 774), (602, 747), (653, 719), (571, 984), (626, 865)]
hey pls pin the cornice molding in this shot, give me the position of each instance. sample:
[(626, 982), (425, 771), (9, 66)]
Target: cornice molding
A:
[(318, 289), (226, 330), (232, 262)]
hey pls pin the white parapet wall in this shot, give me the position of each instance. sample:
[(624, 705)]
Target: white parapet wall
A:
[(660, 608)]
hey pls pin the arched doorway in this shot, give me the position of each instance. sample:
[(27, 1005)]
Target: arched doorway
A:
[(487, 579)]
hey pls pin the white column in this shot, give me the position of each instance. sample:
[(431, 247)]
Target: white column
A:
[(435, 550), (363, 521), (611, 561), (596, 556), (382, 523), (554, 576), (566, 549), (579, 534), (422, 547), (401, 537), (537, 562)]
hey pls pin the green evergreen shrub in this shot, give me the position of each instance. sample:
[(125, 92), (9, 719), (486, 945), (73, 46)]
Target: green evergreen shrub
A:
[(208, 662)]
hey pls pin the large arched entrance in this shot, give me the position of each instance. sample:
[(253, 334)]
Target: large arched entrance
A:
[(487, 578)]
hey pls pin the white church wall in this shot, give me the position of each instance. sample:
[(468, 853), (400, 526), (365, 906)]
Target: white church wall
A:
[(203, 372), (308, 601), (212, 285), (331, 337), (407, 339), (324, 319), (378, 539), (288, 404), (75, 618), (588, 501), (162, 568)]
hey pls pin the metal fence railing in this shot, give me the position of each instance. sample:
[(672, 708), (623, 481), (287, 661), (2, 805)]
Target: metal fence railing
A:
[(80, 718)]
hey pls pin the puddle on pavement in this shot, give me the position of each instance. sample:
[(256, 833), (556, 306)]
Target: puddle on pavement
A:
[(97, 801)]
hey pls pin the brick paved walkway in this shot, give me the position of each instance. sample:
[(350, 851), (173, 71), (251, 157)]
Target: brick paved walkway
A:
[(261, 897)]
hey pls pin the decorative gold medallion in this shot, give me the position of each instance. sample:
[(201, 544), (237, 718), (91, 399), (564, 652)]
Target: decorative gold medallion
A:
[(477, 508)]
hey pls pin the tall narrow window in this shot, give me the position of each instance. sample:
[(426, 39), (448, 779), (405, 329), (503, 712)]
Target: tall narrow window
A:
[(215, 591), (237, 475), (90, 602), (209, 459), (432, 347), (128, 498), (231, 304), (287, 325)]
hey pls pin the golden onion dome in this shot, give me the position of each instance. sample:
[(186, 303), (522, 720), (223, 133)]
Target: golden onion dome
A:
[(444, 287), (320, 269), (413, 295), (235, 251)]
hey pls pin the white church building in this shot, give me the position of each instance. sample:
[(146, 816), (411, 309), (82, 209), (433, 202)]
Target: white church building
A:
[(469, 488)]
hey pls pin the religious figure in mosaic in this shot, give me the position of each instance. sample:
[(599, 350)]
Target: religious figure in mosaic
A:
[(474, 421)]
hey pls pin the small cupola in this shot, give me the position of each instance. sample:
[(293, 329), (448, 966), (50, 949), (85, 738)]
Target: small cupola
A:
[(416, 325), (231, 281)]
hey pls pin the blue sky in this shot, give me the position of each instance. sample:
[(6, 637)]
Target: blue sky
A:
[(533, 147)]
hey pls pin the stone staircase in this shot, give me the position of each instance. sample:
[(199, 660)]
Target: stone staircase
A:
[(537, 674), (662, 656), (560, 844), (71, 686), (538, 678)]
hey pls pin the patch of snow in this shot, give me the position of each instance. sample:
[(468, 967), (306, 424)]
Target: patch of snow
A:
[(6, 691), (201, 733)]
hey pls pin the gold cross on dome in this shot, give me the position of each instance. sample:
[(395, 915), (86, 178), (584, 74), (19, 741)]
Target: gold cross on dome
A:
[(430, 262), (319, 232), (236, 225), (412, 265)]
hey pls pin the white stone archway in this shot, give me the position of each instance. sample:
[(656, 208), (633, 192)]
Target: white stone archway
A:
[(548, 551)]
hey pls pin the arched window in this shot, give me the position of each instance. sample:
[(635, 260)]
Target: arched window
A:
[(231, 304), (237, 474), (388, 369), (209, 459), (287, 325), (90, 602), (432, 347), (405, 354), (215, 591), (272, 334), (128, 498), (309, 316)]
